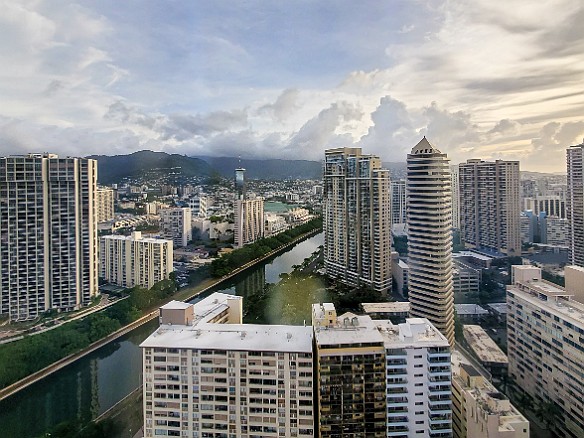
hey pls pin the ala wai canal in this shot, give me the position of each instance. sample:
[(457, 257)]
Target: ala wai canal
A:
[(96, 382)]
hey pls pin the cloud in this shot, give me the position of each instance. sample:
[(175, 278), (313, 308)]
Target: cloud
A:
[(284, 106), (552, 141)]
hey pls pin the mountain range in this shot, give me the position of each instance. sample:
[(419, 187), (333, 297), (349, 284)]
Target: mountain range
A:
[(112, 169)]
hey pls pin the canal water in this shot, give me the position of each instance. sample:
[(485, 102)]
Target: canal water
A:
[(96, 382)]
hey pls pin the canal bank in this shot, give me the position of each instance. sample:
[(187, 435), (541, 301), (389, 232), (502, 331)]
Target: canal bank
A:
[(91, 385)]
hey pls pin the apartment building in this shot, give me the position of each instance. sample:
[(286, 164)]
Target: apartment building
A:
[(176, 225), (429, 222), (208, 375), (545, 341), (135, 260), (104, 204), (357, 219), (478, 409), (48, 228), (375, 378), (398, 201), (575, 203), (490, 205), (454, 176), (249, 221)]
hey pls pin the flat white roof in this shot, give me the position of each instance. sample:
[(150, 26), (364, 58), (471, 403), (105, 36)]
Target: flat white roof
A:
[(415, 332), (484, 347), (173, 305), (350, 329), (470, 309), (392, 307), (237, 337)]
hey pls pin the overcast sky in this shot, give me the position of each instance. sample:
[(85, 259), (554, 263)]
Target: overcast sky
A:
[(288, 79)]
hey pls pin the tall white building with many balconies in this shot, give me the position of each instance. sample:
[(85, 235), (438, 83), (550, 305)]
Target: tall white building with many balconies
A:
[(104, 204), (490, 205), (176, 225), (429, 222), (398, 202), (545, 343), (134, 260), (208, 375), (48, 234), (357, 219)]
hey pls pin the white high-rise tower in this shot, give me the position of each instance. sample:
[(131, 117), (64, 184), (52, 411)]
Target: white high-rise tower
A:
[(429, 222), (575, 203)]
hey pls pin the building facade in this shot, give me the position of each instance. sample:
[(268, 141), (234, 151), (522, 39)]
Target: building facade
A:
[(545, 339), (490, 206), (48, 234), (357, 219), (208, 375), (429, 222), (398, 202), (104, 204), (478, 409), (133, 260), (454, 175), (575, 204), (249, 221), (176, 225)]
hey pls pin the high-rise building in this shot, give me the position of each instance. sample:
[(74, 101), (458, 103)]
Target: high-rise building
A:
[(545, 329), (552, 205), (48, 234), (575, 203), (357, 219), (133, 260), (176, 225), (429, 222), (490, 206), (248, 213), (454, 174), (478, 409), (378, 379), (104, 204), (208, 375), (398, 202)]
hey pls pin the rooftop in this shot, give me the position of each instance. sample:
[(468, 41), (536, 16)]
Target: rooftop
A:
[(350, 329), (424, 147), (417, 332), (391, 307), (470, 309), (483, 346)]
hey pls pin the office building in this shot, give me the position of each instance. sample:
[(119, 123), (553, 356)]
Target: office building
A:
[(104, 204), (545, 328), (398, 202), (575, 204), (490, 206), (478, 409), (357, 219), (48, 234), (208, 375), (454, 175), (176, 225), (429, 222), (134, 260)]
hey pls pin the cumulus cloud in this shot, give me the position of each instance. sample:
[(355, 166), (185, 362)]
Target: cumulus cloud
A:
[(552, 141), (284, 106)]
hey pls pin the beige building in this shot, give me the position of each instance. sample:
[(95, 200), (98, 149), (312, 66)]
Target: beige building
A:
[(104, 204), (357, 219), (176, 225), (545, 339), (249, 221), (398, 202), (134, 260), (478, 409), (490, 205), (486, 350), (429, 222), (208, 375), (48, 224)]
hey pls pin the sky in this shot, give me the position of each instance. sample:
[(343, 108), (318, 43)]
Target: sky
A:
[(288, 79)]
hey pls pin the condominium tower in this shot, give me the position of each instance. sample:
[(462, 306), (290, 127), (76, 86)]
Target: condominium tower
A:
[(357, 219), (48, 234), (398, 202), (248, 213), (575, 203), (545, 339), (490, 206), (454, 173), (176, 225), (429, 222), (208, 375), (104, 204), (134, 260)]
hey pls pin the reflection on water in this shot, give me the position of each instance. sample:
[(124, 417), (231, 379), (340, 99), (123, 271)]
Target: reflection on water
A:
[(93, 384)]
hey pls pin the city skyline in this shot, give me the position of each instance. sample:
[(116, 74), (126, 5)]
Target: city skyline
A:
[(288, 81)]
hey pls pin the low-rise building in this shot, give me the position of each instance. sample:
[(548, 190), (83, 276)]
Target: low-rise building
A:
[(395, 311), (486, 350), (478, 409), (470, 313)]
